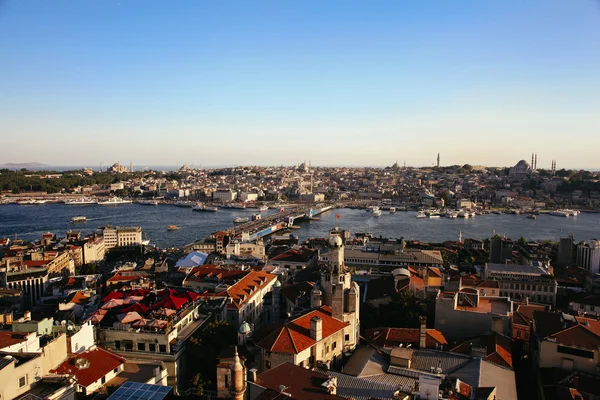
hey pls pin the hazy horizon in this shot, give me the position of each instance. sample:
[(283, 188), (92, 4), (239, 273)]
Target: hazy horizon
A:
[(269, 83)]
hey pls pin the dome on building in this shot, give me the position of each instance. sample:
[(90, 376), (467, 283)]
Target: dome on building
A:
[(244, 328), (277, 284), (336, 241), (401, 271), (520, 170)]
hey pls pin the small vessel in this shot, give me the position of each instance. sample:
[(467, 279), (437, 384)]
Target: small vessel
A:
[(81, 218), (451, 214), (183, 203), (421, 214), (392, 210), (240, 220), (572, 213), (559, 213), (434, 215), (148, 202), (497, 212), (114, 201), (463, 214), (172, 227), (84, 201), (263, 209), (200, 207), (377, 213), (531, 216), (372, 208)]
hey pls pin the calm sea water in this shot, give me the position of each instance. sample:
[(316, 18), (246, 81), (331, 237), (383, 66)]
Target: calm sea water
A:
[(29, 222)]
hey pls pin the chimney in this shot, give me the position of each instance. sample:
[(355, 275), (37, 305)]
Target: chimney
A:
[(252, 375), (316, 328), (423, 332)]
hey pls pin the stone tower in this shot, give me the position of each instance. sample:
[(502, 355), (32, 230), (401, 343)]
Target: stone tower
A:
[(337, 290), (238, 381)]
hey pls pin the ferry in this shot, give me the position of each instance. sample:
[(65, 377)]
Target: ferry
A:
[(240, 220), (434, 215), (377, 213), (372, 208), (531, 216), (78, 219), (172, 227), (84, 201), (572, 213), (463, 214), (392, 210), (451, 214), (263, 209), (114, 201), (421, 214), (559, 213)]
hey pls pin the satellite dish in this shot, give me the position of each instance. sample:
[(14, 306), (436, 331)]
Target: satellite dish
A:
[(63, 322)]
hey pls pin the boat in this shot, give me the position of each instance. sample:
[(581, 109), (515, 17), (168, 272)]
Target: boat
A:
[(114, 201), (172, 227), (531, 216), (372, 208), (78, 219), (148, 202), (392, 210), (572, 213), (240, 220), (263, 209), (451, 214), (497, 212), (238, 206), (559, 213), (377, 213), (183, 203), (204, 208), (83, 201), (421, 214), (463, 214), (26, 202), (434, 215)]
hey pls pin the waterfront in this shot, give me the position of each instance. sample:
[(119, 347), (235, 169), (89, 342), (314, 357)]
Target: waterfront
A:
[(29, 222)]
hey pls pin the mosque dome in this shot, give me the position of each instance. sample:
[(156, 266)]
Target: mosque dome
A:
[(244, 328)]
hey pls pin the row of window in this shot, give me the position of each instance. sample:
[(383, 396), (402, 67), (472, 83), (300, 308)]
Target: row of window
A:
[(128, 346), (523, 286)]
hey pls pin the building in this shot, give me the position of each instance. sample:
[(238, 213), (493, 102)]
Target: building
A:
[(565, 342), (224, 196), (466, 314), (31, 277), (500, 250), (520, 282), (91, 369), (293, 260), (94, 250), (422, 338), (150, 326), (246, 299), (214, 278), (246, 197), (122, 237), (337, 290), (566, 248), (521, 170), (588, 256)]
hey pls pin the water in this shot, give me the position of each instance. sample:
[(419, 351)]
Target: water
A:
[(29, 222)]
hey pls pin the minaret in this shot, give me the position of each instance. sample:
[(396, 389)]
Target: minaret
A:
[(535, 163), (438, 160), (238, 384), (460, 236), (532, 164)]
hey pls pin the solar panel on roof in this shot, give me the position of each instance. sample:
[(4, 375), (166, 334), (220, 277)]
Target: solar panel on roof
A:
[(140, 391)]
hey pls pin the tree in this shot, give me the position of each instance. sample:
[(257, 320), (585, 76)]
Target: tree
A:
[(522, 241)]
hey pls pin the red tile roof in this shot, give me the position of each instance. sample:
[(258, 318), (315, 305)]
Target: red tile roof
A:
[(302, 255), (578, 336), (35, 263), (244, 289), (101, 362), (203, 272), (393, 337), (123, 278), (294, 336), (8, 338)]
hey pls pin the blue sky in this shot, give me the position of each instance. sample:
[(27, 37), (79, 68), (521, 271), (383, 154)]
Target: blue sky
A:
[(276, 82)]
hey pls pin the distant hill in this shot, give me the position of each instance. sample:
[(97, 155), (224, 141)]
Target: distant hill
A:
[(30, 165)]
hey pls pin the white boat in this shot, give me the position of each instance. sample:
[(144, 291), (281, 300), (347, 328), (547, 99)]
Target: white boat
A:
[(434, 216), (464, 214), (451, 214), (392, 210), (114, 201), (78, 219), (572, 213), (204, 208), (421, 214), (240, 220), (263, 209), (148, 202), (372, 208), (84, 201), (377, 213)]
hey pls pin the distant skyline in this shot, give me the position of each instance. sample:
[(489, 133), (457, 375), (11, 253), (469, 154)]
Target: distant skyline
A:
[(279, 82)]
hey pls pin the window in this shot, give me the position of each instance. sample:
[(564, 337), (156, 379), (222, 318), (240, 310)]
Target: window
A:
[(334, 345), (22, 381), (575, 352), (347, 338), (152, 347), (493, 291), (268, 364), (162, 348), (117, 344), (518, 334), (116, 370), (141, 346), (103, 380)]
